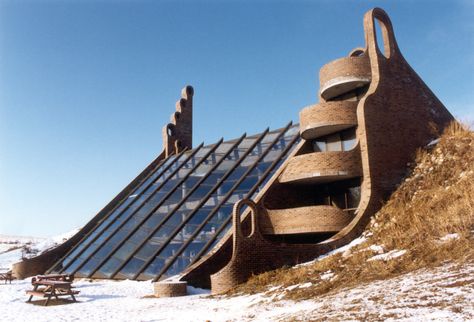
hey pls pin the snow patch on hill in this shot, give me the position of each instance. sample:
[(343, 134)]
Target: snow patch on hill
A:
[(15, 248)]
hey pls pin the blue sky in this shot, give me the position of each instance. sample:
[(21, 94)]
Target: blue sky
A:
[(86, 86)]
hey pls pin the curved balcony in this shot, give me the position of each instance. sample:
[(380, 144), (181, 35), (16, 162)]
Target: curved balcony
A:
[(326, 118), (344, 75), (321, 167), (302, 220)]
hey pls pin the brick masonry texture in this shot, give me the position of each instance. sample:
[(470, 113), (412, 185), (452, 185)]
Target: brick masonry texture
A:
[(393, 113), (333, 74), (301, 220), (170, 289), (327, 117), (178, 134), (321, 167), (396, 115)]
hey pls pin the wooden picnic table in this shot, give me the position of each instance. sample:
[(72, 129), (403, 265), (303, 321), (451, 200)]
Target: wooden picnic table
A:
[(7, 277), (55, 277), (51, 288)]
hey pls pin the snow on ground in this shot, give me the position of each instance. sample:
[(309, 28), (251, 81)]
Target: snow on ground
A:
[(442, 294), (9, 258), (345, 250), (20, 239), (448, 237), (388, 256), (12, 248)]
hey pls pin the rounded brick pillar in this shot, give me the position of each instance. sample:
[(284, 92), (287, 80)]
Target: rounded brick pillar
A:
[(170, 289)]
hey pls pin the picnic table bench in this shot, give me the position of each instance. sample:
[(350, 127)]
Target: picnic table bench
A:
[(7, 277), (48, 288)]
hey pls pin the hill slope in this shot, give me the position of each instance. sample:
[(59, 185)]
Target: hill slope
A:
[(14, 248), (427, 222)]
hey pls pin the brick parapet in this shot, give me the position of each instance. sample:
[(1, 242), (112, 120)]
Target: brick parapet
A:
[(326, 118), (302, 220), (318, 167), (344, 74)]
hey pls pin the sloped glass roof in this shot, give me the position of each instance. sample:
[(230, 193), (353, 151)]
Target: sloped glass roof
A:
[(180, 210)]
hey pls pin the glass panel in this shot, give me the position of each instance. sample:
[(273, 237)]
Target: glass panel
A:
[(270, 137), (339, 200), (180, 215), (319, 146), (131, 268), (156, 218), (210, 228), (292, 131), (143, 212), (348, 139), (108, 268), (140, 208), (353, 197), (146, 251), (89, 266), (333, 142), (163, 258), (118, 212)]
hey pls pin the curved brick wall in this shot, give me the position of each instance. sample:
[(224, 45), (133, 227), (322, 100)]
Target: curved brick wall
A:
[(326, 118), (395, 116), (343, 75), (311, 219), (319, 167)]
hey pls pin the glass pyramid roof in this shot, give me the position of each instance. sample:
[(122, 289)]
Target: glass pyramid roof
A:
[(180, 210)]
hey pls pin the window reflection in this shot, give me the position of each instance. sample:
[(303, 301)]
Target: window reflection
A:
[(344, 195), (341, 141)]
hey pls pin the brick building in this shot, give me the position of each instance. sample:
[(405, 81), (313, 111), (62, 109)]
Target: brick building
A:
[(217, 214)]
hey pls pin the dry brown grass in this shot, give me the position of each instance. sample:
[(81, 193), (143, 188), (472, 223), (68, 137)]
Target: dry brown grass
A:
[(435, 200)]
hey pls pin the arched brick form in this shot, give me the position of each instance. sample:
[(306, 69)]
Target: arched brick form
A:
[(242, 252), (320, 167), (253, 252), (178, 134), (326, 118), (181, 121), (396, 115), (343, 75)]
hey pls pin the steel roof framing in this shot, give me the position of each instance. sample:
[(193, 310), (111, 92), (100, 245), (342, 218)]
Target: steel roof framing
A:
[(160, 203), (203, 201), (180, 203), (116, 229), (83, 239), (248, 195), (221, 203)]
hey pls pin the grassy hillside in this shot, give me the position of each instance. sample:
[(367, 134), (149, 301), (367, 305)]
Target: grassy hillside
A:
[(428, 221)]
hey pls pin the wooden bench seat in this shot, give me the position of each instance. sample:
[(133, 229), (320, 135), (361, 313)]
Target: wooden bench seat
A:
[(61, 292), (38, 293)]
